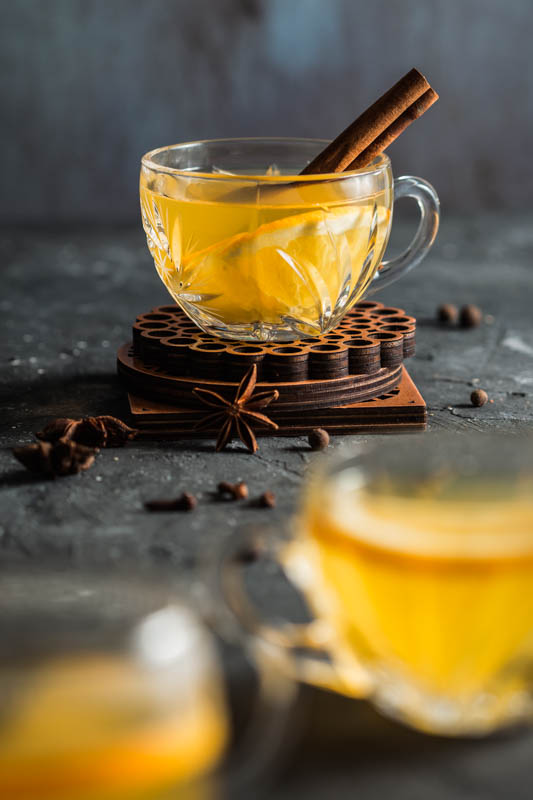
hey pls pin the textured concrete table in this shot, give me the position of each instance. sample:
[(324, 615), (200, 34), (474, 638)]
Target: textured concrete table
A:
[(67, 301)]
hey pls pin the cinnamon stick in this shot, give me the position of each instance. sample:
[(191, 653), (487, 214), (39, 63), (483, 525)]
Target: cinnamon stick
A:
[(395, 129), (377, 127)]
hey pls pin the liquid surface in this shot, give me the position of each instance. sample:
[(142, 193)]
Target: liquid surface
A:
[(438, 593), (271, 259)]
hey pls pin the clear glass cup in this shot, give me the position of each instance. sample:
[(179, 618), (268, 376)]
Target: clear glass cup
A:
[(112, 688), (416, 558), (253, 251)]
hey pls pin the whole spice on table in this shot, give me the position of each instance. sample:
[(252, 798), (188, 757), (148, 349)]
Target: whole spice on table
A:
[(238, 415), (377, 127), (235, 491), (267, 499), (250, 552), (318, 439), (479, 397), (470, 316), (63, 457), (103, 431), (447, 313), (185, 502)]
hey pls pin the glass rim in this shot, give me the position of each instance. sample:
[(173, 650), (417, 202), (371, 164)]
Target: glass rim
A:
[(342, 457), (481, 546), (379, 164)]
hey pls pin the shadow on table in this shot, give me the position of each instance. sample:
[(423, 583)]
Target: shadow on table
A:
[(31, 403), (57, 396), (339, 735), (430, 322), (20, 477)]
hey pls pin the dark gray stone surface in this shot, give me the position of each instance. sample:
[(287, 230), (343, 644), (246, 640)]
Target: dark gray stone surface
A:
[(87, 86), (67, 302)]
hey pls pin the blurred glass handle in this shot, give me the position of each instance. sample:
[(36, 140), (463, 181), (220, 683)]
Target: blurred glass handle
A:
[(428, 204), (283, 642)]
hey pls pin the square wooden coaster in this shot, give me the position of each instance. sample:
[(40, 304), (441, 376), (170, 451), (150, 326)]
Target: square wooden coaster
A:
[(401, 410)]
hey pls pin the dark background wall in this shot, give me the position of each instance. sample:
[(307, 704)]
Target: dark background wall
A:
[(87, 86)]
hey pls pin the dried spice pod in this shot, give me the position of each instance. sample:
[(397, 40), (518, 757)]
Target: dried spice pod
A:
[(237, 491), (250, 552), (267, 499), (479, 397), (470, 316), (103, 431), (63, 457), (185, 502), (377, 127), (91, 431), (68, 457), (61, 428), (35, 457), (318, 439), (237, 417), (447, 313), (117, 432)]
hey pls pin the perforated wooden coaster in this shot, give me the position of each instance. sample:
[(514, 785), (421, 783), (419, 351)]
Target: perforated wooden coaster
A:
[(370, 337), (359, 360), (350, 380)]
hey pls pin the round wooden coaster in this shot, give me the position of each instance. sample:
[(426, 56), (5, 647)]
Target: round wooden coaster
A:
[(359, 360), (371, 337), (152, 381)]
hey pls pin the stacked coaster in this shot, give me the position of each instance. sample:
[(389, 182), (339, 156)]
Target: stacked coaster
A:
[(402, 410), (318, 378)]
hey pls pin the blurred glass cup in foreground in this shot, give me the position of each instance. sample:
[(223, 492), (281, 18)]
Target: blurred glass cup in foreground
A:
[(111, 688), (417, 559)]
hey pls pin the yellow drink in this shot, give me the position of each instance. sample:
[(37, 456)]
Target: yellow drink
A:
[(265, 261), (90, 728), (430, 590)]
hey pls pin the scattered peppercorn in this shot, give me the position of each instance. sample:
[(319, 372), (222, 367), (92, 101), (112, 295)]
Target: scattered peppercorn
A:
[(236, 491), (250, 553), (470, 316), (318, 439), (267, 499), (447, 313), (185, 502), (479, 397)]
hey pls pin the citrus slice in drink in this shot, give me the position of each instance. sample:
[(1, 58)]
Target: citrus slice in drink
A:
[(296, 266)]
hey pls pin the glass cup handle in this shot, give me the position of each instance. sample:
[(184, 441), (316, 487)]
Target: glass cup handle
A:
[(429, 206), (283, 643)]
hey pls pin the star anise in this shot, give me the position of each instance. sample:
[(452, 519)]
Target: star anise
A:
[(62, 457), (237, 416), (104, 431)]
